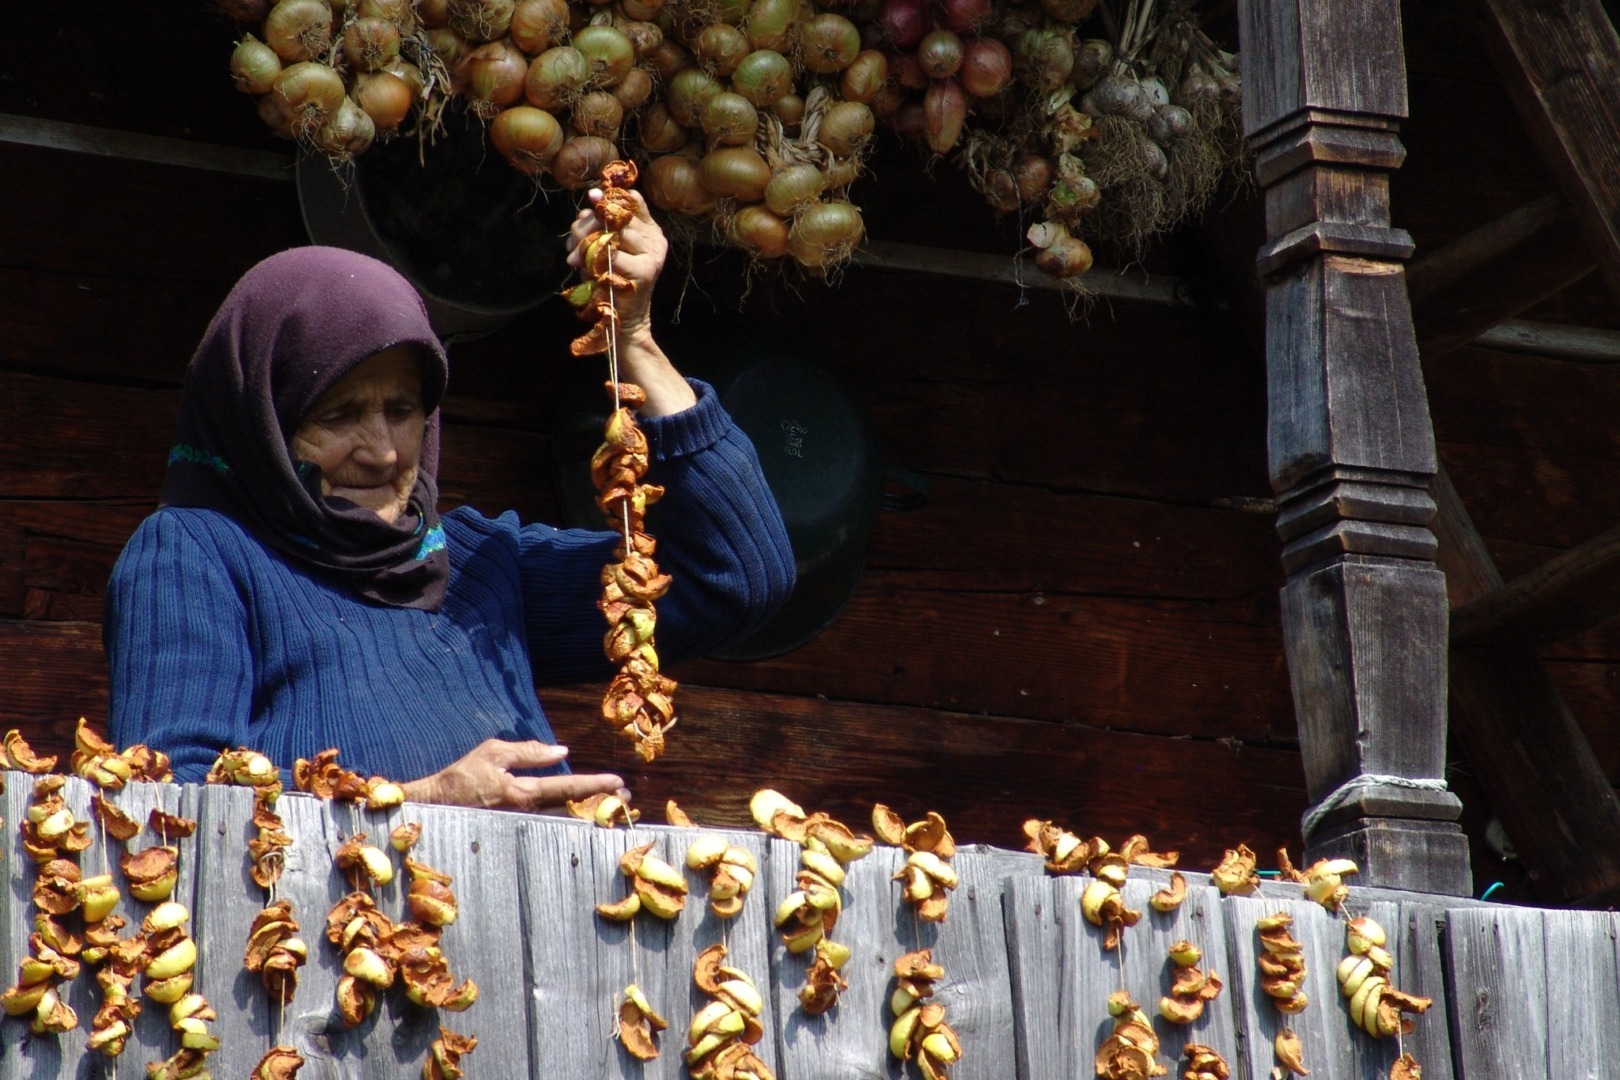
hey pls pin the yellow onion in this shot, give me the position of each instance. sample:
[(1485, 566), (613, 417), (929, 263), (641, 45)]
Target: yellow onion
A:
[(759, 232), (555, 77), (347, 131), (846, 128), (537, 25), (729, 119), (688, 92), (635, 89), (369, 43), (792, 187), (789, 108), (609, 52), (276, 114), (450, 47), (408, 73), (496, 76), (254, 65), (481, 20), (864, 77), (598, 113), (645, 37), (720, 47), (433, 14), (829, 42), (672, 183), (1065, 257), (660, 133), (771, 24), (669, 59), (386, 98), (944, 113), (641, 10), (727, 11), (579, 161), (402, 13), (311, 93), (526, 136), (299, 30), (825, 233), (735, 172), (763, 76), (841, 172)]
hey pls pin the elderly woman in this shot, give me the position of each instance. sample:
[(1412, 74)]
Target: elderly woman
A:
[(298, 589)]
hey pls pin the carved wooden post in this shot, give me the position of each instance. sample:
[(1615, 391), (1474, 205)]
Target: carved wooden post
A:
[(1350, 443)]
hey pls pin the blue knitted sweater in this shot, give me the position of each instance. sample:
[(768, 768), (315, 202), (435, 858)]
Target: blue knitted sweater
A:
[(215, 640)]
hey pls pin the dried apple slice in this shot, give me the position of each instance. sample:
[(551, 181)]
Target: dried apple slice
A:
[(119, 825), (21, 756), (1235, 875), (281, 1063)]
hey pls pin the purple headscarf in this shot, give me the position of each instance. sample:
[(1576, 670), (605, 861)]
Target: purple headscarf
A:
[(295, 324)]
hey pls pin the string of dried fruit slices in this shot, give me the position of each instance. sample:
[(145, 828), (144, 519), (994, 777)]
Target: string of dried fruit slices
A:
[(639, 702)]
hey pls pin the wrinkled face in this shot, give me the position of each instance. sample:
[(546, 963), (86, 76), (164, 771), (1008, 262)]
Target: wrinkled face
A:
[(365, 433)]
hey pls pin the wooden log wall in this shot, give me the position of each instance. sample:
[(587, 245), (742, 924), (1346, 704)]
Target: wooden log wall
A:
[(1080, 623), (1026, 977)]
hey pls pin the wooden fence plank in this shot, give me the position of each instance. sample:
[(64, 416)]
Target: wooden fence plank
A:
[(1498, 1019), (852, 1039), (1149, 971), (1332, 1049), (580, 963), (1415, 929), (480, 852), (221, 925), (16, 870), (1583, 1039), (1042, 936)]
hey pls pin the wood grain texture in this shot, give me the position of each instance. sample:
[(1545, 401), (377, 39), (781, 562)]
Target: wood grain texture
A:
[(1561, 63), (1494, 273), (985, 774), (1569, 594), (1500, 1014)]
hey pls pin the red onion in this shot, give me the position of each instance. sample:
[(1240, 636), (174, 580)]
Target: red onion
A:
[(966, 17), (944, 113), (940, 54), (986, 67), (904, 22)]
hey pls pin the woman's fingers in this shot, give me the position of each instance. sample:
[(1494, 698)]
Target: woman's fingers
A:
[(521, 755), (538, 792)]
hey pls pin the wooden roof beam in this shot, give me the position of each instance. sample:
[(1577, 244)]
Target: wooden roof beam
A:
[(1492, 274), (1560, 61)]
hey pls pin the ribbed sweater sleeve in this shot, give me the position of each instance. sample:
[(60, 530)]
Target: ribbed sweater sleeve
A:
[(720, 537), (180, 675)]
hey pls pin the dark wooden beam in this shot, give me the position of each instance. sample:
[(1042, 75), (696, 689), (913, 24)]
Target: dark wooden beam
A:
[(1565, 596), (1545, 785), (1561, 64), (1495, 272), (1350, 442)]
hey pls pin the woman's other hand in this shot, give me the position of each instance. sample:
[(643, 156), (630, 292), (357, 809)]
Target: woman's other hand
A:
[(484, 778), (639, 257)]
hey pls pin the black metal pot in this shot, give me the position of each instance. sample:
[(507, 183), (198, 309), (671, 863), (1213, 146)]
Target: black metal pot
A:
[(477, 238)]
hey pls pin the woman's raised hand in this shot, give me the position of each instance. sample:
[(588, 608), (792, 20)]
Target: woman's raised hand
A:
[(483, 778), (640, 258)]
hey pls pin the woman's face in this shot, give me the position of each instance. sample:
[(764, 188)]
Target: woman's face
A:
[(365, 433)]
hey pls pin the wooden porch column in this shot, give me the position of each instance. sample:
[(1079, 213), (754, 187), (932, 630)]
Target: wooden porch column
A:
[(1350, 444)]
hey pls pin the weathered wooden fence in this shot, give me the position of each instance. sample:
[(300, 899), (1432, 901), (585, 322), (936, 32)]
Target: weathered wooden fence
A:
[(1518, 993)]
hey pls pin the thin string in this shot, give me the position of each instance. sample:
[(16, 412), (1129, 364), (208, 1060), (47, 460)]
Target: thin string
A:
[(613, 376)]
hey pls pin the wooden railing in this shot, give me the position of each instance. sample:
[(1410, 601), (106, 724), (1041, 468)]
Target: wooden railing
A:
[(1518, 993)]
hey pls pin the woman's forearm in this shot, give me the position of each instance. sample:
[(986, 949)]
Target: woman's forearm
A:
[(642, 362)]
